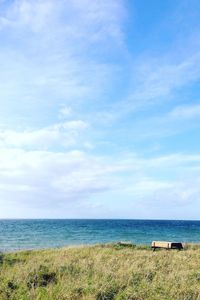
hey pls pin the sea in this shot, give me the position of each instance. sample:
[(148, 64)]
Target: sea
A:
[(40, 234)]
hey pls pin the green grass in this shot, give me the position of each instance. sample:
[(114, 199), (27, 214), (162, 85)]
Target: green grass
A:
[(101, 272)]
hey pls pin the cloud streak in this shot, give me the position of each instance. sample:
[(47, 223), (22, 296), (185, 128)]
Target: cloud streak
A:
[(62, 134), (65, 41)]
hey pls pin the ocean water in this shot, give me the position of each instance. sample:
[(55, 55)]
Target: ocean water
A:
[(33, 234)]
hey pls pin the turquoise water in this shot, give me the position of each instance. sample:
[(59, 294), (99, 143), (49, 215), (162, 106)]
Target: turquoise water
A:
[(33, 234)]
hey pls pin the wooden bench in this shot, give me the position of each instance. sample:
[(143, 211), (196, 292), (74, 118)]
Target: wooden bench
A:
[(166, 245)]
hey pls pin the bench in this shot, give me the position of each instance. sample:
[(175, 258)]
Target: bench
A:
[(166, 245)]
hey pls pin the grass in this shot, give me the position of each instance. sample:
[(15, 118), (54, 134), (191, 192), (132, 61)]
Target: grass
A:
[(102, 272)]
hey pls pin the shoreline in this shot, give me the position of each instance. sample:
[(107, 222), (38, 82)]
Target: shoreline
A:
[(136, 246)]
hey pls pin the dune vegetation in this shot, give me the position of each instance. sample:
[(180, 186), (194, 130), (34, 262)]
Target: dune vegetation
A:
[(101, 272)]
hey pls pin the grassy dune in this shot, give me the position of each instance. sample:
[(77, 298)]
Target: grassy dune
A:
[(101, 272)]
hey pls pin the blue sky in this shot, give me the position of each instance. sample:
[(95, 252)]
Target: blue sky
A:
[(100, 109)]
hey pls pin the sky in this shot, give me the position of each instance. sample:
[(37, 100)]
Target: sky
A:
[(100, 109)]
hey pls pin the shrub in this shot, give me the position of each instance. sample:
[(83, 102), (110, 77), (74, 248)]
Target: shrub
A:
[(108, 294), (41, 278), (1, 258)]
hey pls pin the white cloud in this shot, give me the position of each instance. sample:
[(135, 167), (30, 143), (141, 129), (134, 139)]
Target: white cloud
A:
[(35, 14), (37, 179), (181, 193), (92, 19), (186, 111), (159, 79), (62, 134), (142, 187), (155, 80), (65, 111), (51, 54)]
